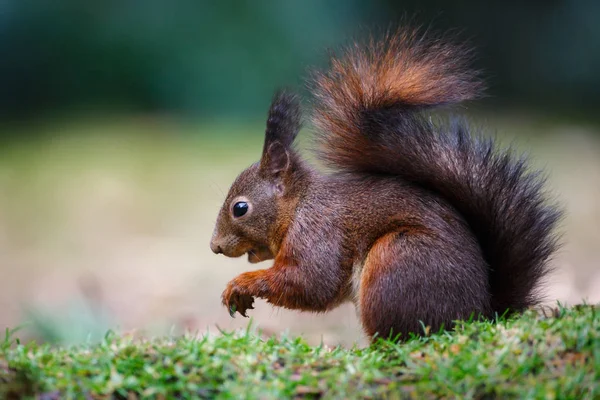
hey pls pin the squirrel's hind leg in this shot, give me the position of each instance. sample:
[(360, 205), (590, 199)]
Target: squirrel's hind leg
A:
[(411, 276)]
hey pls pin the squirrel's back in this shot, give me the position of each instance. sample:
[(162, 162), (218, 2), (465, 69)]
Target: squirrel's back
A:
[(368, 113)]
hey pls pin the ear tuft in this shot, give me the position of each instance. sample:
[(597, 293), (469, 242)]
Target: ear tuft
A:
[(284, 121)]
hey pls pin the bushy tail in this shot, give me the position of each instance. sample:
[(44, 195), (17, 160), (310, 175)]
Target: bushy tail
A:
[(368, 120)]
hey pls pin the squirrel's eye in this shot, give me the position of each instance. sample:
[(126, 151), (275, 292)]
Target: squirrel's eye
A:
[(240, 209)]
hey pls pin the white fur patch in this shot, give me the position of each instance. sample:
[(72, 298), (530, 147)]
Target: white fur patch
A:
[(357, 269)]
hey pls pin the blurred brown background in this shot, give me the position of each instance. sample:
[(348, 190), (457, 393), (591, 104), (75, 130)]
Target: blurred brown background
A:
[(124, 123)]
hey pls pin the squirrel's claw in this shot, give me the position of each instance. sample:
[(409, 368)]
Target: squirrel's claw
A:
[(237, 302)]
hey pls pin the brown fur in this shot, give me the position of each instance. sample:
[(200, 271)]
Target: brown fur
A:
[(403, 69), (417, 223)]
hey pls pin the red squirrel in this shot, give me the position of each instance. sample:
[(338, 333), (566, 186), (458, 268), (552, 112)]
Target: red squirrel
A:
[(419, 223)]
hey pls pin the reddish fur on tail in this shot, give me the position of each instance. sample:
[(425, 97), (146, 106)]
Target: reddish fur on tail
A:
[(404, 69)]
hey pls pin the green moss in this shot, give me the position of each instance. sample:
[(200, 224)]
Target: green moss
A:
[(531, 356)]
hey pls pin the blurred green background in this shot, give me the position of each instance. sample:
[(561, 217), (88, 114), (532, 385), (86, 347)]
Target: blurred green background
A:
[(124, 122)]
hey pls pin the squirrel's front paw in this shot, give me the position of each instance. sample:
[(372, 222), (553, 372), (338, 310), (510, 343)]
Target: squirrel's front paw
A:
[(237, 298)]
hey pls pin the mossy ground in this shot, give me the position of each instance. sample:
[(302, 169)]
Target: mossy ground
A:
[(537, 355)]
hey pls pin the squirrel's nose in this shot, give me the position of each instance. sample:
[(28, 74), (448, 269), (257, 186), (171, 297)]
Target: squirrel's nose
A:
[(215, 248)]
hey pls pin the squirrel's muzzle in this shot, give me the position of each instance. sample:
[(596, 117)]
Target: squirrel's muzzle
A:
[(215, 247)]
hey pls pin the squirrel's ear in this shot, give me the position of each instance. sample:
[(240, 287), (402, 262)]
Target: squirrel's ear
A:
[(275, 161), (283, 125)]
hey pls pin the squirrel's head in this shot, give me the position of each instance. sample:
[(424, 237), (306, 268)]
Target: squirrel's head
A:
[(262, 199)]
